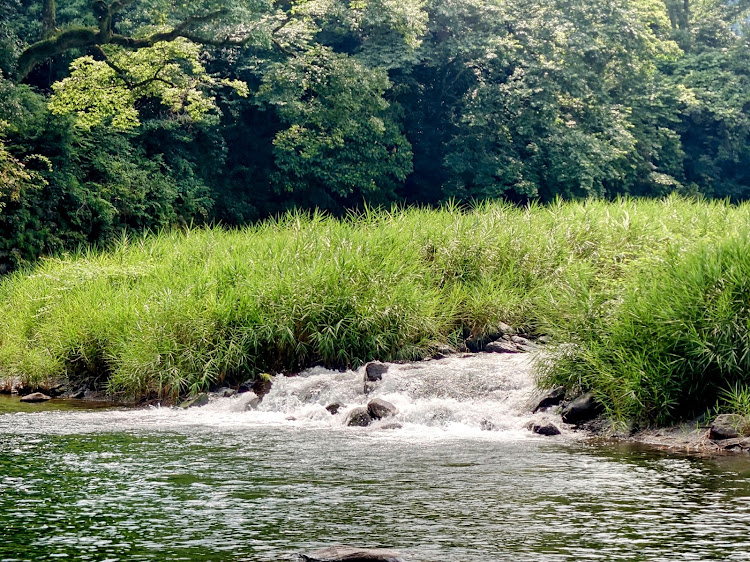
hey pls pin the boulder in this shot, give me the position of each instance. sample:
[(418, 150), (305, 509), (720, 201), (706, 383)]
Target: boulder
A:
[(262, 386), (505, 329), (581, 409), (548, 429), (379, 409), (501, 346), (550, 398), (197, 401), (334, 408), (374, 371), (358, 417), (729, 426), (351, 554), (35, 397)]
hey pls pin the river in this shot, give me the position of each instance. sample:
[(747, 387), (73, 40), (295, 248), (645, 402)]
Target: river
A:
[(461, 480)]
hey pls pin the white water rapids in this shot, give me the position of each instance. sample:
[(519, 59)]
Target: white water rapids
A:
[(485, 395)]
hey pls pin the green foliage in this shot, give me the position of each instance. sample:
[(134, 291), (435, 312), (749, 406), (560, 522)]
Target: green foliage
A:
[(674, 335), (107, 92), (342, 140)]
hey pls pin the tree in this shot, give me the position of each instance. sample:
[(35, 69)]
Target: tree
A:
[(343, 143)]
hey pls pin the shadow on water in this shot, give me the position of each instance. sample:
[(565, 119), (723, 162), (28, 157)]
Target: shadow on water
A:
[(10, 404)]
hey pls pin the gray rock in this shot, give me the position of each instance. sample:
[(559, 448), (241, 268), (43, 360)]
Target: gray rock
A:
[(521, 340), (506, 329), (200, 400), (501, 347), (35, 397), (391, 425), (358, 417), (334, 408), (729, 426), (550, 398), (379, 409), (225, 392), (374, 371), (548, 429), (351, 554), (581, 409)]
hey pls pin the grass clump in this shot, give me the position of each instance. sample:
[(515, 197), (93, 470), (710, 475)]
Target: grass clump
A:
[(650, 298), (678, 341)]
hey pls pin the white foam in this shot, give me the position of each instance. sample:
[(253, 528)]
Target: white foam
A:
[(485, 396)]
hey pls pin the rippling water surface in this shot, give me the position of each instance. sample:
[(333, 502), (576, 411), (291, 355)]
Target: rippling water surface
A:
[(220, 483)]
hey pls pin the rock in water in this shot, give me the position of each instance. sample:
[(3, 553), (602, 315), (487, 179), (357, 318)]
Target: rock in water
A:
[(334, 408), (200, 400), (35, 397), (351, 554), (729, 426), (548, 429), (379, 409), (550, 398), (358, 417), (501, 347), (581, 409), (374, 371)]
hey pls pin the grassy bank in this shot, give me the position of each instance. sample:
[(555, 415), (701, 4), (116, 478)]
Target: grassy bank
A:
[(650, 297)]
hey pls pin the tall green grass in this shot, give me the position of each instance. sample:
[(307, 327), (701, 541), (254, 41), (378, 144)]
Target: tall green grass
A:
[(177, 312)]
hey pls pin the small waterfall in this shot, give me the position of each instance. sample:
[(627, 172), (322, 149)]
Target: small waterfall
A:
[(483, 392), (484, 395)]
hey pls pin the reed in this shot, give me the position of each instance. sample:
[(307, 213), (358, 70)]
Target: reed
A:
[(623, 284)]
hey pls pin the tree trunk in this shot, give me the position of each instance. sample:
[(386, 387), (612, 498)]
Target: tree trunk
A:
[(49, 19)]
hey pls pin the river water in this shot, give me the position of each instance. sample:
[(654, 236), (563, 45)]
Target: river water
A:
[(461, 479)]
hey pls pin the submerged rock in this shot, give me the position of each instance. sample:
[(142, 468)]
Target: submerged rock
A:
[(379, 409), (200, 400), (351, 554), (548, 429), (391, 425), (729, 426), (253, 401), (358, 417), (486, 425), (225, 392), (334, 408), (35, 397), (550, 398), (581, 409)]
